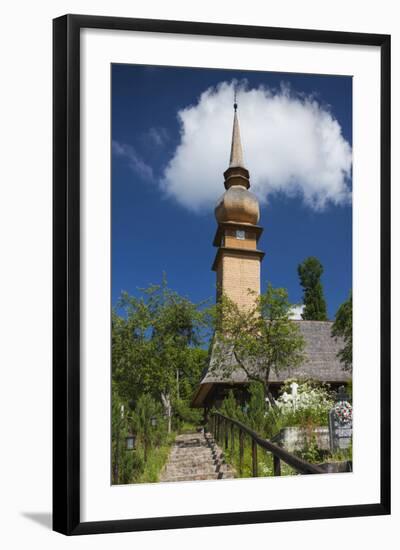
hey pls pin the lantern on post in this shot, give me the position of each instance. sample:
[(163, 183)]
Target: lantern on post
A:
[(130, 442)]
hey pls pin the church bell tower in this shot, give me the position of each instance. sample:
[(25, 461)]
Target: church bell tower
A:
[(237, 262)]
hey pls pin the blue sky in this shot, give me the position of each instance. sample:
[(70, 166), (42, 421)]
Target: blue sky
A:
[(171, 145)]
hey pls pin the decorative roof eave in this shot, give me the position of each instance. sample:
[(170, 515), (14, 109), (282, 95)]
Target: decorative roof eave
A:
[(200, 395)]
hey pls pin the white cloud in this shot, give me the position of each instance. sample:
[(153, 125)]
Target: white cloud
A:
[(158, 136), (136, 163), (291, 143), (295, 312)]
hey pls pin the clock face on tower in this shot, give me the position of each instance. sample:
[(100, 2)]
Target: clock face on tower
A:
[(240, 234)]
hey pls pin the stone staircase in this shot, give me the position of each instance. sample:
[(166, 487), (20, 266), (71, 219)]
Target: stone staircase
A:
[(195, 456)]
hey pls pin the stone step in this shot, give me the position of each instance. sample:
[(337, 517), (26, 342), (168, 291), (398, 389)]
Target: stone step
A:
[(196, 462), (200, 454), (196, 456), (189, 473), (192, 463), (198, 477), (193, 459), (190, 470)]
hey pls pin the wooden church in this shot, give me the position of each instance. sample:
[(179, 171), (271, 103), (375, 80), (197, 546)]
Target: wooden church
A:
[(237, 265)]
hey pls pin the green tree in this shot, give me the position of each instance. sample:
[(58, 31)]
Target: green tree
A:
[(262, 338), (310, 272), (256, 409), (231, 408), (154, 343), (343, 328), (132, 350)]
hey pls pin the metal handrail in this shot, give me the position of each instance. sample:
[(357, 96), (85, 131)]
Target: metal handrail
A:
[(278, 453)]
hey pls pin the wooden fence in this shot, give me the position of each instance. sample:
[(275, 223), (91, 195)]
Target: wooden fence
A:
[(226, 430)]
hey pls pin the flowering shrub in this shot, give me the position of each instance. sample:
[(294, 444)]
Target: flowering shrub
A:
[(308, 396), (310, 405), (344, 411)]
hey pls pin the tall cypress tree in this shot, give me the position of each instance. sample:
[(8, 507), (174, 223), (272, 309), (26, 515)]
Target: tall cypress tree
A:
[(343, 327), (310, 272)]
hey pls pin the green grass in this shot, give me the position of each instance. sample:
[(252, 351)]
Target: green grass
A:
[(156, 459), (188, 427), (340, 455), (264, 461)]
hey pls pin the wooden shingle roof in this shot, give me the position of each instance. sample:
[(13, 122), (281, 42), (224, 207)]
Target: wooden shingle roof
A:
[(321, 361)]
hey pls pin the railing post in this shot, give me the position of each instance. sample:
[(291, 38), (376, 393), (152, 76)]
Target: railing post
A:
[(241, 451), (254, 457), (277, 465), (221, 433)]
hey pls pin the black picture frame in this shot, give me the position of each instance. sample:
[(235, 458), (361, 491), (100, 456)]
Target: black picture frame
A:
[(66, 273)]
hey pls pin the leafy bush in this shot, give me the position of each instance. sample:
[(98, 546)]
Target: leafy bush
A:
[(148, 423), (132, 466), (310, 406), (253, 413), (186, 414), (310, 452), (231, 408)]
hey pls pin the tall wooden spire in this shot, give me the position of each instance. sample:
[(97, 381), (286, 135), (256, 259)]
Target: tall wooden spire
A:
[(237, 261), (236, 159)]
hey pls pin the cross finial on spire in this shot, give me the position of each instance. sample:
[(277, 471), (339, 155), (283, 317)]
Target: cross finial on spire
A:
[(235, 99)]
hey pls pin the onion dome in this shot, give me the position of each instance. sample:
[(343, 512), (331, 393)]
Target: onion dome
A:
[(237, 204)]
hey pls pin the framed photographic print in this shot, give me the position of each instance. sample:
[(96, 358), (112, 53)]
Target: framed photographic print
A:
[(221, 274)]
